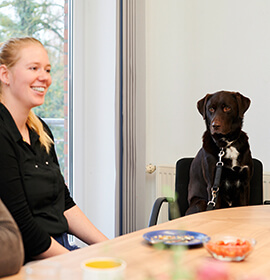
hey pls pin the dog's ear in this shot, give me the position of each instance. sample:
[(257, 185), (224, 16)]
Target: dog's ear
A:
[(243, 103), (201, 104)]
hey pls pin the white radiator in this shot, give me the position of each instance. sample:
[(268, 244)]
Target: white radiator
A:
[(165, 186)]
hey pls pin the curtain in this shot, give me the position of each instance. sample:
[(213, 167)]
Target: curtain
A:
[(126, 117)]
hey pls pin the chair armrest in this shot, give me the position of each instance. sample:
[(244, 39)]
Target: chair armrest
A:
[(156, 209)]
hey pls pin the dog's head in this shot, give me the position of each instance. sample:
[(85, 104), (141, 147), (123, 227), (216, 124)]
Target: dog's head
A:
[(223, 112)]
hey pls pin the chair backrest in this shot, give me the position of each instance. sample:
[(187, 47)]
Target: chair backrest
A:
[(181, 184), (256, 183), (182, 181)]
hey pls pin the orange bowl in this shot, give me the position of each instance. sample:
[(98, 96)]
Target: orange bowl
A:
[(229, 248)]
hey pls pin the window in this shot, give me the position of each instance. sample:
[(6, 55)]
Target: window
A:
[(46, 20), (93, 150)]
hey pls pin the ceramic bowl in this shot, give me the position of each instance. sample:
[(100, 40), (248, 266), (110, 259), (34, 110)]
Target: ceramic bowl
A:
[(229, 248)]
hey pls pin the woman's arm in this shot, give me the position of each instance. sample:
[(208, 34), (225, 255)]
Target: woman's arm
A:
[(81, 227), (54, 250)]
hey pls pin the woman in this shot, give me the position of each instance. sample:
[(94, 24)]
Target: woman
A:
[(31, 184)]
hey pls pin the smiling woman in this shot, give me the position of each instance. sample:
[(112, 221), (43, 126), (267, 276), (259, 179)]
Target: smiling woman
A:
[(45, 20), (31, 184)]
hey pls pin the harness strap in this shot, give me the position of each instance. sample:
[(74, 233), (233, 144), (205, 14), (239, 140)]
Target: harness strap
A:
[(215, 189)]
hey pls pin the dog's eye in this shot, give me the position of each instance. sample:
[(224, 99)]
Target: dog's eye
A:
[(211, 110), (226, 109)]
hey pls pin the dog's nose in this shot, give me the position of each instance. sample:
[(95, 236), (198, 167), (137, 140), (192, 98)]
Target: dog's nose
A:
[(216, 124)]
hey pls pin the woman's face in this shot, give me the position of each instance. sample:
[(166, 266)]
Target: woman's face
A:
[(30, 77)]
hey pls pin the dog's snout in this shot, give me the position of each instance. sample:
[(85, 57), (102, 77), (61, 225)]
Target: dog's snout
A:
[(216, 124)]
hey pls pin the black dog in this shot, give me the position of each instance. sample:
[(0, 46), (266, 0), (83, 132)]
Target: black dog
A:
[(223, 112)]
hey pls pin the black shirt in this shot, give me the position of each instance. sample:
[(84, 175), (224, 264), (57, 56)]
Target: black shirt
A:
[(31, 186)]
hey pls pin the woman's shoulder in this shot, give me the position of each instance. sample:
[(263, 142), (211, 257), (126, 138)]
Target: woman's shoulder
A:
[(8, 128), (7, 140), (4, 132)]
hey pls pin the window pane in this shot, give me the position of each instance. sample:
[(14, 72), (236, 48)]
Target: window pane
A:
[(45, 20)]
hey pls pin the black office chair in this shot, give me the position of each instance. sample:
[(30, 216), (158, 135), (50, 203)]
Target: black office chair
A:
[(178, 207)]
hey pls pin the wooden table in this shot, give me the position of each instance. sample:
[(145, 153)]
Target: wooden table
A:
[(144, 261)]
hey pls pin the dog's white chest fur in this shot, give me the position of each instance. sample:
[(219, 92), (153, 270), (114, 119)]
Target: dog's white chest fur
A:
[(232, 153)]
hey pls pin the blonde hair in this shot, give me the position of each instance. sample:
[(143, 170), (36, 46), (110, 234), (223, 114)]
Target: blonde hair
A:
[(9, 55)]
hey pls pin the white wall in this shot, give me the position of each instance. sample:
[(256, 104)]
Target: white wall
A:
[(94, 111), (194, 47)]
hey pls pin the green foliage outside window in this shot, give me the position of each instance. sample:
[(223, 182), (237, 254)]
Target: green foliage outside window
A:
[(44, 20)]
